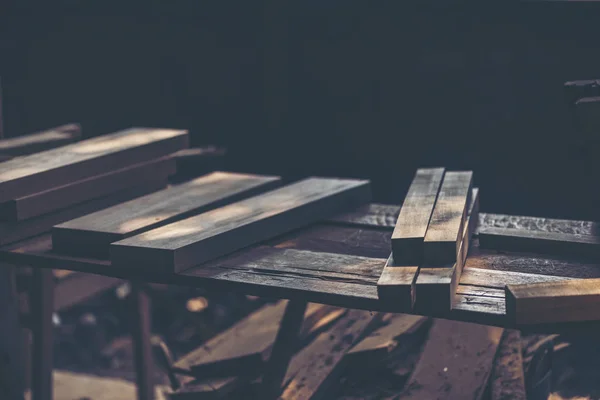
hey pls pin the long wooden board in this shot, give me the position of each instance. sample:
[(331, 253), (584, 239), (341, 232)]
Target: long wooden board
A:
[(411, 226), (442, 240), (507, 380), (35, 173), (455, 363), (397, 283), (181, 245), (14, 231), (552, 302), (40, 141), (77, 192), (91, 235), (435, 287), (522, 240)]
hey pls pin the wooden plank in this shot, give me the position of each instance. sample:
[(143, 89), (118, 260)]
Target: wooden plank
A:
[(436, 286), (40, 141), (35, 173), (140, 332), (499, 279), (411, 226), (507, 380), (551, 302), (315, 369), (397, 282), (77, 192), (91, 235), (371, 215), (181, 245), (42, 304), (562, 244), (442, 239), (455, 363), (14, 231), (488, 220)]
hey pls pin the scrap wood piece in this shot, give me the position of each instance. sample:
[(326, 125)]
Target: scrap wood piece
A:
[(435, 287), (61, 197), (551, 302), (35, 173), (563, 244), (415, 213), (507, 380), (318, 366), (193, 241), (247, 344), (455, 363), (442, 240), (39, 141), (14, 231), (92, 234)]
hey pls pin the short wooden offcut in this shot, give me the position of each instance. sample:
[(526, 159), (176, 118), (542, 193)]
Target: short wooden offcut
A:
[(551, 302), (411, 226), (54, 199), (435, 287), (193, 241), (92, 234), (442, 240), (35, 173)]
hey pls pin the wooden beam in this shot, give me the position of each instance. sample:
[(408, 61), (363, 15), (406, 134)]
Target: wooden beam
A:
[(193, 241), (455, 363), (507, 380), (520, 240), (74, 193), (35, 173), (91, 235), (14, 231), (40, 141), (411, 226), (442, 241), (435, 287), (552, 302)]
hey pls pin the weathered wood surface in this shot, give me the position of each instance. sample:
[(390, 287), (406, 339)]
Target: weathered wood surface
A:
[(14, 231), (561, 244), (35, 173), (411, 226), (74, 193), (550, 302), (92, 234), (445, 229), (183, 244), (396, 283), (566, 226), (507, 380), (436, 286), (39, 141), (317, 367), (455, 363)]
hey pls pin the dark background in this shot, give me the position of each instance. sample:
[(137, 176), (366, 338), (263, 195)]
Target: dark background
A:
[(374, 89)]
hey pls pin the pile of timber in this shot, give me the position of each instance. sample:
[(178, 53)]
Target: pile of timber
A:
[(43, 189), (430, 241), (351, 354)]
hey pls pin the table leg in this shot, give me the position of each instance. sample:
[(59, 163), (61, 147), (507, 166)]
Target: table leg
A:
[(140, 333), (42, 307), (284, 347)]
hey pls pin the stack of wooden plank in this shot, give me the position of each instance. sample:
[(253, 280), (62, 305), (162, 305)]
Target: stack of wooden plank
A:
[(430, 241), (40, 190)]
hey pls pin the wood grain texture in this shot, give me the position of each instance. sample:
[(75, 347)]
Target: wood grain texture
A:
[(550, 302), (40, 141), (74, 193), (316, 368), (436, 286), (38, 172), (445, 229), (413, 220), (507, 380), (561, 244), (14, 231), (455, 363), (92, 234), (181, 245), (487, 220)]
